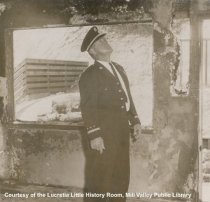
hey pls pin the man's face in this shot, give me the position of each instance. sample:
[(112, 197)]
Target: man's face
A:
[(101, 48)]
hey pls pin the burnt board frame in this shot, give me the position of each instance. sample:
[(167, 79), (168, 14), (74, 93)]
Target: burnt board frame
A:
[(11, 123)]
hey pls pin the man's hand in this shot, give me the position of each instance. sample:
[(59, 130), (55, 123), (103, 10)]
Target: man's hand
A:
[(97, 144), (136, 131)]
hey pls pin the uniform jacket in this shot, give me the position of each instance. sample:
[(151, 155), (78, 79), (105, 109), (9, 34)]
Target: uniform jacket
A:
[(101, 93)]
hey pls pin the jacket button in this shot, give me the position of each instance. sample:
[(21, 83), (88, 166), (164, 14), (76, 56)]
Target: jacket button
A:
[(121, 98), (119, 91), (100, 67), (122, 107)]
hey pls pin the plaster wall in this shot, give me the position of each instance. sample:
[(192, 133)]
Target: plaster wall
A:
[(4, 163)]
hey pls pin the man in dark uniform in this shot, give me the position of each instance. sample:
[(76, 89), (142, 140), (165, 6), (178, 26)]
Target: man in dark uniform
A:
[(109, 113)]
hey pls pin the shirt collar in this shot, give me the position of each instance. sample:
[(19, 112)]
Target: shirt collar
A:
[(105, 64)]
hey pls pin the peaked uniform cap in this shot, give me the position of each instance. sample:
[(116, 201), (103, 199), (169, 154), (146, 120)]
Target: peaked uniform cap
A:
[(92, 36)]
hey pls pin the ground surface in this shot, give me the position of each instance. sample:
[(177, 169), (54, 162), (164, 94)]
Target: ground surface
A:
[(14, 189), (44, 109)]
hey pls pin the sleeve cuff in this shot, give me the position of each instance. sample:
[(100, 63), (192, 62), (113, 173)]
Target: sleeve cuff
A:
[(93, 132)]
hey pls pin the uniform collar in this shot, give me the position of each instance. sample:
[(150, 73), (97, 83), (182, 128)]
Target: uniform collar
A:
[(102, 63), (104, 69), (105, 64)]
